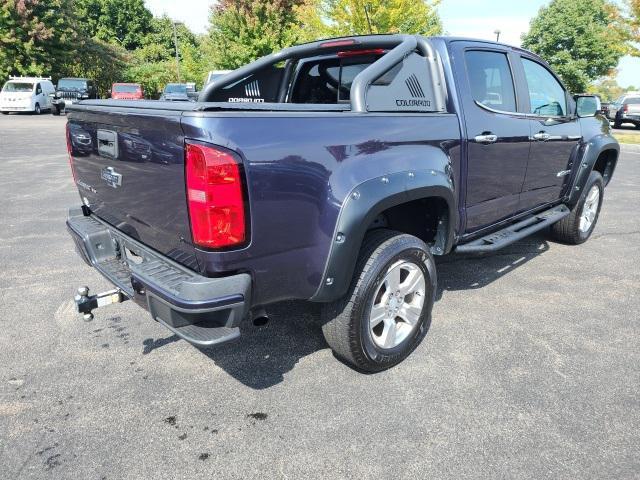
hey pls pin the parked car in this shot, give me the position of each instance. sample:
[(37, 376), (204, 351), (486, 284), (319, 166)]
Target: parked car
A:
[(176, 92), (625, 109), (127, 91), (72, 90), (26, 94), (334, 172), (214, 75)]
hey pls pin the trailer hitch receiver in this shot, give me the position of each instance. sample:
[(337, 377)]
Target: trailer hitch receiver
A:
[(86, 303)]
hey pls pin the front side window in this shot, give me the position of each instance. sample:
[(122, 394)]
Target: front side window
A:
[(490, 80), (546, 95)]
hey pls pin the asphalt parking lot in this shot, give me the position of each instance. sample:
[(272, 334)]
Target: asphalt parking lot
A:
[(531, 368)]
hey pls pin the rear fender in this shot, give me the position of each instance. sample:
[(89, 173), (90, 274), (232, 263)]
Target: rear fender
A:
[(364, 204)]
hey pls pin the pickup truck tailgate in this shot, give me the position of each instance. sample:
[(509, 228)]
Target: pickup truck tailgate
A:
[(129, 168)]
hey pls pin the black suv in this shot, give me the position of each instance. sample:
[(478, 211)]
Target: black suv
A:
[(72, 90)]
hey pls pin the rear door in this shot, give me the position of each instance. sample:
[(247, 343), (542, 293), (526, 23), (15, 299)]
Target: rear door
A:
[(555, 135), (497, 132)]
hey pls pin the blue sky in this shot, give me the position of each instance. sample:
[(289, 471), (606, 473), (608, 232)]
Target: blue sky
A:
[(470, 18)]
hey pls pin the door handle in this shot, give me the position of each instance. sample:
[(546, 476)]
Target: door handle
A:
[(486, 138), (542, 136)]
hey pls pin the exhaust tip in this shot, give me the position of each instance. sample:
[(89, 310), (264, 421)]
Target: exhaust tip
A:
[(260, 319)]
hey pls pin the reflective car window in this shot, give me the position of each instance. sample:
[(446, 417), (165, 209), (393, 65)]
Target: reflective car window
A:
[(546, 95), (490, 80)]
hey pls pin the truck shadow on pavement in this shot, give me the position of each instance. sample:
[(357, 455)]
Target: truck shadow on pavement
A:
[(264, 355)]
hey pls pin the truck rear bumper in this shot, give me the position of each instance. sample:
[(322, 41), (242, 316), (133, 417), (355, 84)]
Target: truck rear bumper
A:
[(204, 311)]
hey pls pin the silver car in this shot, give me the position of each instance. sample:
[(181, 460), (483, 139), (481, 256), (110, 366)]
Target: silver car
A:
[(625, 109)]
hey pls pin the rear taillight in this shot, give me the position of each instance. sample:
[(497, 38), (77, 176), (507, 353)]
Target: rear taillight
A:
[(625, 108), (215, 197), (70, 150)]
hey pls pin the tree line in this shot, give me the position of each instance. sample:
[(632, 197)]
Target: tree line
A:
[(120, 40)]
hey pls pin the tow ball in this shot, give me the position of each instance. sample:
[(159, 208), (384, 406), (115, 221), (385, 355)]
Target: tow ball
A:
[(87, 303)]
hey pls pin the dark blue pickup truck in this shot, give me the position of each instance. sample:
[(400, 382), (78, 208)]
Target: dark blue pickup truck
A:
[(332, 172)]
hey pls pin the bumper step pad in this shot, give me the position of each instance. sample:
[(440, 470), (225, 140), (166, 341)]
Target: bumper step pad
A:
[(204, 311)]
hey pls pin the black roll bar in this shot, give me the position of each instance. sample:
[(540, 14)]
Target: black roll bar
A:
[(400, 45)]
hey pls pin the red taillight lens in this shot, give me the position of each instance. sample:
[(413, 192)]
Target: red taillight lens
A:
[(215, 197), (70, 151), (625, 108)]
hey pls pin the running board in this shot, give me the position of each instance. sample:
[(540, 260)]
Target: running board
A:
[(515, 232)]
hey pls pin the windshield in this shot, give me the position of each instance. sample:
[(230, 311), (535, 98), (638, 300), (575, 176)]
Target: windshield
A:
[(72, 84), (175, 88), (17, 87), (126, 88)]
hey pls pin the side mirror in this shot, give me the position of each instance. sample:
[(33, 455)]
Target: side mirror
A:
[(588, 105)]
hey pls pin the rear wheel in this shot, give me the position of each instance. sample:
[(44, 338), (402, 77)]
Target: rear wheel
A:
[(387, 309), (578, 226)]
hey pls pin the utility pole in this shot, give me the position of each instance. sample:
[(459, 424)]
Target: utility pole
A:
[(366, 12), (497, 32), (175, 41)]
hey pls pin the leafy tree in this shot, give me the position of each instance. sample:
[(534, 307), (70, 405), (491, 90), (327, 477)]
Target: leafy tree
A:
[(360, 17), (607, 88), (100, 61), (120, 22), (37, 37), (579, 38), (243, 30)]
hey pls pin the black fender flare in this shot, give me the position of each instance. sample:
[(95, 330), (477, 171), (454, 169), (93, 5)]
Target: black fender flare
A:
[(591, 152), (363, 204)]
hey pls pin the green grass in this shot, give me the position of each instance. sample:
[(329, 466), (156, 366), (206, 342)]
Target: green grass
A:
[(622, 138)]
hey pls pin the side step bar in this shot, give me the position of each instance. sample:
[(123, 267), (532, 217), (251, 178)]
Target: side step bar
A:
[(513, 233)]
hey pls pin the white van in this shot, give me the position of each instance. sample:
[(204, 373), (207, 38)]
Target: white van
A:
[(26, 94)]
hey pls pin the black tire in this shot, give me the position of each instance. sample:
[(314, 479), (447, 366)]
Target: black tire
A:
[(346, 321), (568, 230), (36, 109), (55, 111)]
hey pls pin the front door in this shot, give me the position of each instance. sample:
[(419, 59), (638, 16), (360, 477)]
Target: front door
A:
[(497, 134), (555, 135)]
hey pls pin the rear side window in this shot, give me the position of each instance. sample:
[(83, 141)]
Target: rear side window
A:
[(490, 80), (632, 101), (546, 95), (328, 80)]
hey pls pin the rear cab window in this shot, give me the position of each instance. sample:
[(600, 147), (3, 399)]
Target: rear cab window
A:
[(328, 80)]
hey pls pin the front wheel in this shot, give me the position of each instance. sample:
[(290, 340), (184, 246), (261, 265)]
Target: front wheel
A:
[(55, 111), (387, 310), (37, 109), (578, 226)]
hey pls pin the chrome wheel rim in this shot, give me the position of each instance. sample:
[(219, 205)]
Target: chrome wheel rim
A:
[(590, 209), (397, 304)]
